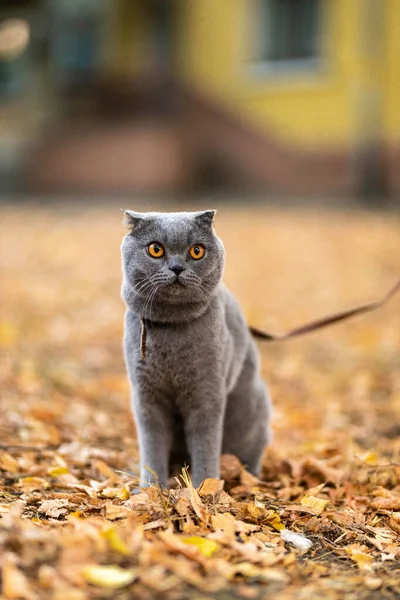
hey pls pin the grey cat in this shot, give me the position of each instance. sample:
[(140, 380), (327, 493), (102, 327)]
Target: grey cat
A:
[(198, 392)]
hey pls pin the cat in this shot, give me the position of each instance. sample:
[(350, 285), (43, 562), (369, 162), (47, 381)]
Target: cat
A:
[(198, 391)]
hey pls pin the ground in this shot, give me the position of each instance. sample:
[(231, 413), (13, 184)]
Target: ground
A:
[(71, 526)]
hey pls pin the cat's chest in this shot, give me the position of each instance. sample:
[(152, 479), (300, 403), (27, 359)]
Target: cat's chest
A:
[(179, 348), (177, 357)]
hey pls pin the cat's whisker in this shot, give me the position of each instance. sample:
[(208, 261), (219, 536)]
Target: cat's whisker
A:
[(147, 283), (201, 292), (153, 298), (144, 280), (147, 301)]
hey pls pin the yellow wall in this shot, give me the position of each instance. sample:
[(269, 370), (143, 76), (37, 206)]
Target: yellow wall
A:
[(391, 113), (308, 108)]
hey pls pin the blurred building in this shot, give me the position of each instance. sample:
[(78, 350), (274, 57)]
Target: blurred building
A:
[(292, 96)]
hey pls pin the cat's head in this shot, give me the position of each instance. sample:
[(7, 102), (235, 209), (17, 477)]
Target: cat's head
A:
[(172, 264)]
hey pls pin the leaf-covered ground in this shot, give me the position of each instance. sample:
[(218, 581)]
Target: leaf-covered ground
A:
[(71, 527)]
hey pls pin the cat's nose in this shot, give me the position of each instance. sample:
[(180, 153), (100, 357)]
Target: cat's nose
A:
[(177, 269)]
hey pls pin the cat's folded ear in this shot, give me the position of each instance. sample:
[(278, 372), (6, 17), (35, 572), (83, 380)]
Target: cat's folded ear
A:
[(133, 220), (205, 217)]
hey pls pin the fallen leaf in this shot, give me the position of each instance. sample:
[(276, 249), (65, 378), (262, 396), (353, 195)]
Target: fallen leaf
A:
[(361, 558), (9, 463), (390, 503), (115, 540), (273, 519), (210, 487), (224, 522), (395, 522), (206, 546), (109, 576), (116, 511), (124, 493), (196, 502), (316, 503), (57, 471), (54, 508), (30, 484)]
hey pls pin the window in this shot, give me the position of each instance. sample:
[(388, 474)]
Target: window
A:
[(288, 30), (75, 39)]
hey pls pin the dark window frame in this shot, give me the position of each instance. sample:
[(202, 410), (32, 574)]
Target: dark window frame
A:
[(279, 45)]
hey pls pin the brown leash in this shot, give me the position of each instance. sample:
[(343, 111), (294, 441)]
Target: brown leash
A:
[(325, 321), (303, 329)]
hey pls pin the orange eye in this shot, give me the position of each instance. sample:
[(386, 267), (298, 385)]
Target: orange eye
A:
[(155, 250), (197, 251)]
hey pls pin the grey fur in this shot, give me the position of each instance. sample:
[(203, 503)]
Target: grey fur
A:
[(199, 391)]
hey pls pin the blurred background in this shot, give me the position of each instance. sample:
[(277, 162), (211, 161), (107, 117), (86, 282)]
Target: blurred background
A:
[(293, 97)]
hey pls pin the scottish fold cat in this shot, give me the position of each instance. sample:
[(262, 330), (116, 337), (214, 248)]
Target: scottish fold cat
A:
[(192, 363)]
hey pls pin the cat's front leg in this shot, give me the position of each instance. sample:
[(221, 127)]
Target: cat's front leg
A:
[(154, 429), (203, 430)]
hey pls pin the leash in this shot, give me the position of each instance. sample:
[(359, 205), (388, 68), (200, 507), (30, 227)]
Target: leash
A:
[(325, 321), (303, 329)]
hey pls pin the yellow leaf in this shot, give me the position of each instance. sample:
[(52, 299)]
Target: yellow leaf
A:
[(274, 520), (115, 541), (206, 546), (124, 493), (57, 471), (313, 502), (255, 512), (360, 557), (108, 576), (370, 458), (77, 514)]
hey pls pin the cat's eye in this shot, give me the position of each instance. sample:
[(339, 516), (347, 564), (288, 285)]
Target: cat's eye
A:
[(197, 251), (155, 250)]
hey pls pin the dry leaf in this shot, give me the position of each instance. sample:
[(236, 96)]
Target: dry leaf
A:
[(115, 541), (206, 547), (54, 508), (390, 503), (197, 504), (9, 463), (210, 487), (226, 523), (316, 503), (109, 576), (361, 558), (57, 471), (116, 511)]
